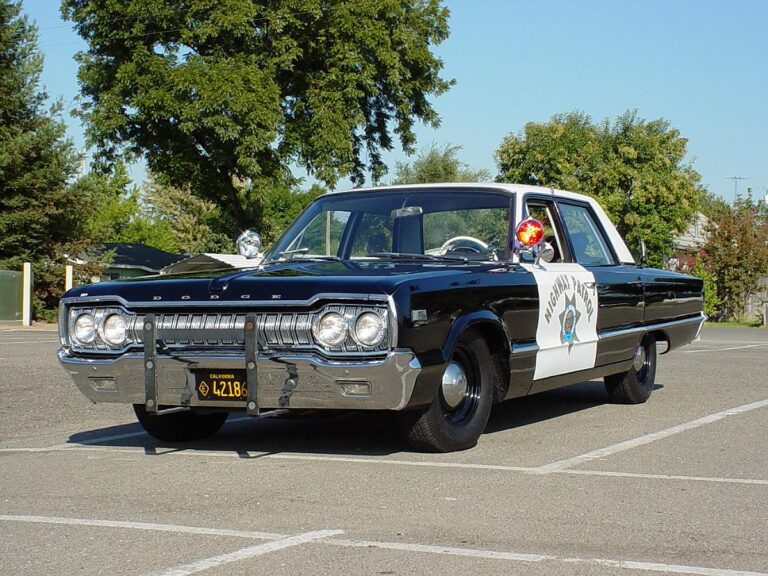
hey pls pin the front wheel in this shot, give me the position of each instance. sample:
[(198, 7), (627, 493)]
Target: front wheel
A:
[(459, 412), (635, 385), (180, 426)]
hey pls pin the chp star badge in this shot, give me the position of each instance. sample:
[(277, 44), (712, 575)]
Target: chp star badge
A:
[(568, 320)]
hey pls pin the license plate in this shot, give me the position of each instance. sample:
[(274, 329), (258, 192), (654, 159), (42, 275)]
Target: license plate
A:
[(221, 385)]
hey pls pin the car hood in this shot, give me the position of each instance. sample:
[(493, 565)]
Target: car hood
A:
[(287, 282)]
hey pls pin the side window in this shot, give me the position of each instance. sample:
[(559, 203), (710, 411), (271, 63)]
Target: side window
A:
[(542, 211), (322, 235), (589, 246)]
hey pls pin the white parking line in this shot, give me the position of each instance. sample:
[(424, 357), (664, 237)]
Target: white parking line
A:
[(427, 464), (26, 341), (638, 475), (140, 451), (174, 528), (324, 537), (245, 553), (646, 439), (447, 550), (27, 330), (708, 341), (518, 557), (666, 568), (725, 349)]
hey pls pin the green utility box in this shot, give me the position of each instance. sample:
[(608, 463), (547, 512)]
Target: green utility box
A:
[(10, 295)]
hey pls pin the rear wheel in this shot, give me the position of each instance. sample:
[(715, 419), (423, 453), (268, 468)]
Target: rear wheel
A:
[(459, 412), (635, 385), (180, 426)]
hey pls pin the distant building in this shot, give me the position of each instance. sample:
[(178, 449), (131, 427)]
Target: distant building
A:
[(687, 245), (695, 236)]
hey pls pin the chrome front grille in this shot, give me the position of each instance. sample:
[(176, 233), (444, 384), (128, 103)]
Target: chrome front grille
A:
[(285, 330), (275, 330)]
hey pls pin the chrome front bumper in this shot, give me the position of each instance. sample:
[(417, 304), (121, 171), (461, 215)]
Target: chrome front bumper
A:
[(302, 382)]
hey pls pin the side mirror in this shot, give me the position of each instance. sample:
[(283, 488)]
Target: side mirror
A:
[(546, 252), (249, 244)]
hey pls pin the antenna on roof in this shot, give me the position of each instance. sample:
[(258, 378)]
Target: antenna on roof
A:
[(735, 183)]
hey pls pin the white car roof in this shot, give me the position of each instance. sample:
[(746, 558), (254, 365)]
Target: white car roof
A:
[(623, 253)]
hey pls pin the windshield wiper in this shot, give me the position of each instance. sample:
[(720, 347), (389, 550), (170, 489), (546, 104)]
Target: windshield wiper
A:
[(417, 257), (288, 256)]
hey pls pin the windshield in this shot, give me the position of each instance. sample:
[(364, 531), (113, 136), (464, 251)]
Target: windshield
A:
[(434, 225)]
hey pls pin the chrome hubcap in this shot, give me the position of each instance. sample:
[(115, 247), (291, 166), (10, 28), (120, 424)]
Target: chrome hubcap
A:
[(454, 384), (639, 358)]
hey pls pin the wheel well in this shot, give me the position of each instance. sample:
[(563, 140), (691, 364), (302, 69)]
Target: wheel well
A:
[(498, 346), (660, 336)]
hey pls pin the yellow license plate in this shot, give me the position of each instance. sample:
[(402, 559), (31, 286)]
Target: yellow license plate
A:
[(221, 385)]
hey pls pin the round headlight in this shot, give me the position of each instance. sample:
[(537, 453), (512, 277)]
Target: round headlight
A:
[(115, 330), (331, 330), (85, 329), (369, 329)]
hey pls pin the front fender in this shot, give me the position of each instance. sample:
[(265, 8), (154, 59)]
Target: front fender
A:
[(492, 327)]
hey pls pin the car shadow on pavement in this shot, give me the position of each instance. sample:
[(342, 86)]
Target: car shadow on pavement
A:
[(334, 433), (548, 405), (329, 433)]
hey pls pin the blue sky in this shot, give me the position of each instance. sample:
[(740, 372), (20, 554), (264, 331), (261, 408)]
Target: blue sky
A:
[(701, 64)]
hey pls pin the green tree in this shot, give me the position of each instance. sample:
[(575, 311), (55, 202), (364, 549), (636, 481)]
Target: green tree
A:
[(438, 165), (712, 302), (116, 211), (736, 253), (281, 206), (192, 222), (442, 164), (635, 168), (217, 94), (713, 206), (39, 216)]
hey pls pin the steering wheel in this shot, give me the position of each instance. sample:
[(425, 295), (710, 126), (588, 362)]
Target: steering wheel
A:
[(466, 245)]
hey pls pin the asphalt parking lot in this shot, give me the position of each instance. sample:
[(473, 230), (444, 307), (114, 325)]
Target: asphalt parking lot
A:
[(561, 483)]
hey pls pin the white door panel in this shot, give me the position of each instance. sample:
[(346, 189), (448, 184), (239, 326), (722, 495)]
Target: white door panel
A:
[(567, 328)]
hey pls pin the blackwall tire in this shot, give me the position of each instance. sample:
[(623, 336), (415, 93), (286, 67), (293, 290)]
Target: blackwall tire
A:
[(635, 386), (180, 426), (444, 428)]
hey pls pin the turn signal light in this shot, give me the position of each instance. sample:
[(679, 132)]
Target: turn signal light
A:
[(530, 232)]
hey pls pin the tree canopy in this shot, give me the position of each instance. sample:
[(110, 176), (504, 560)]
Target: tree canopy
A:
[(438, 164), (635, 168), (40, 219), (36, 160), (224, 97), (736, 253)]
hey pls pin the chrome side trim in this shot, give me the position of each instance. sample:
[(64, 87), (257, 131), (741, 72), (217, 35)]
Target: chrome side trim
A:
[(331, 296), (393, 319), (524, 349), (701, 317), (698, 332), (63, 325)]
